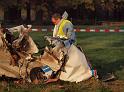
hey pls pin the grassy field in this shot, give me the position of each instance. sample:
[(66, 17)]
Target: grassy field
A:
[(106, 53)]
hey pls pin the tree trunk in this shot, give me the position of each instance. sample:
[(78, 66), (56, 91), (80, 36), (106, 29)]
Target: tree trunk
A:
[(28, 8)]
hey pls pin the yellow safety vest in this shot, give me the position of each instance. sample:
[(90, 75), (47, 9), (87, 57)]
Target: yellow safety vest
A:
[(60, 32)]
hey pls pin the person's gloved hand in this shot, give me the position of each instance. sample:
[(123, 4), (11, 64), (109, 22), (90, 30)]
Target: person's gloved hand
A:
[(59, 45)]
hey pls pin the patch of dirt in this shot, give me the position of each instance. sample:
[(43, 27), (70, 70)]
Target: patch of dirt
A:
[(115, 86), (87, 86)]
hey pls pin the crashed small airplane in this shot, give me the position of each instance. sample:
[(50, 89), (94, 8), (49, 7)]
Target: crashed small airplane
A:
[(64, 64)]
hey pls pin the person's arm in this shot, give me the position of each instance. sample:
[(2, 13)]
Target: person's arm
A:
[(69, 32), (54, 31)]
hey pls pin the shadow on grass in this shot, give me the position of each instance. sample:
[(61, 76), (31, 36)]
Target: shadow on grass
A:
[(118, 44), (111, 67)]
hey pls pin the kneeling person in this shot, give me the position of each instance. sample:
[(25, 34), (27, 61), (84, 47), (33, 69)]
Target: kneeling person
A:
[(64, 31)]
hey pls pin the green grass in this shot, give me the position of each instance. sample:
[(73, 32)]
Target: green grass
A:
[(104, 50)]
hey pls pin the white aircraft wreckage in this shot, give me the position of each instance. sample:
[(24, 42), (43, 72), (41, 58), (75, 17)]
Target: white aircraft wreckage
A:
[(17, 59)]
